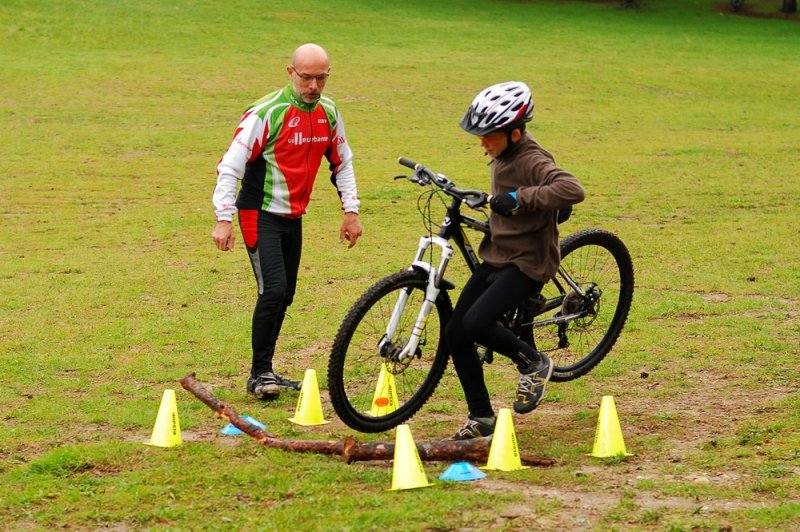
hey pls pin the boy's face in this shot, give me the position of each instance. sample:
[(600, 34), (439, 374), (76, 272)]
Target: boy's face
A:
[(494, 144)]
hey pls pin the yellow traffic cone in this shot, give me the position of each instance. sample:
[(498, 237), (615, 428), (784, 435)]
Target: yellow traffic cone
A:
[(608, 440), (504, 453), (407, 471), (309, 405), (167, 429), (384, 401)]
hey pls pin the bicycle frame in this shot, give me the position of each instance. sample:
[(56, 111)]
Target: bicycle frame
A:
[(452, 228), (472, 260), (395, 332)]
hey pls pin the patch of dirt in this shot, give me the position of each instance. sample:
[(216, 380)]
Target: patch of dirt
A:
[(717, 298), (713, 406), (586, 509), (713, 409)]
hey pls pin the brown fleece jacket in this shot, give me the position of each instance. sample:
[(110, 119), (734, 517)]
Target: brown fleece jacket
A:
[(529, 238)]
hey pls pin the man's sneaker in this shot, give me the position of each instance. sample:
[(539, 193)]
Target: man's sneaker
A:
[(531, 386), (264, 386), (474, 429), (283, 382)]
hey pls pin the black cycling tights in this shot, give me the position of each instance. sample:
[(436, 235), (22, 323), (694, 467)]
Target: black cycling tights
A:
[(488, 294), (274, 245)]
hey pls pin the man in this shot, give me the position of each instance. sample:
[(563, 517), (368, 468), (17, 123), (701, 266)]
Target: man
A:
[(276, 153), (520, 253)]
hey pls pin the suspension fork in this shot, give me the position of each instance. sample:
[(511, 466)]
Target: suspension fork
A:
[(434, 286)]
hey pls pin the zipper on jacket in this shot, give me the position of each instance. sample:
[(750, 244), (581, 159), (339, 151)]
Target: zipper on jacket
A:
[(305, 197)]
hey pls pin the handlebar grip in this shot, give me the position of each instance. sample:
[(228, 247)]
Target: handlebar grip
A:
[(408, 163)]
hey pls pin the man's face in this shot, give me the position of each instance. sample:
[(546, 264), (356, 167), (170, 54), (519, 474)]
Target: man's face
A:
[(494, 143), (308, 79)]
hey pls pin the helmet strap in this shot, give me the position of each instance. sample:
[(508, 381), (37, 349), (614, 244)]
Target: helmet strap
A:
[(509, 131)]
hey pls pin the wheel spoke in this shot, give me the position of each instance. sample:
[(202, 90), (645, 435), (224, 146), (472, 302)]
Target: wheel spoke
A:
[(598, 262)]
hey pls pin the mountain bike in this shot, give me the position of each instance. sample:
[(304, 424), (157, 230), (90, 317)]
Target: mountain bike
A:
[(389, 353)]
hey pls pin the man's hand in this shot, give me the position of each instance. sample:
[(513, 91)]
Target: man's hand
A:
[(351, 229), (223, 235)]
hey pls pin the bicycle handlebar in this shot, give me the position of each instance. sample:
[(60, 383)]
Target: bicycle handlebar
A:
[(424, 176), (408, 163)]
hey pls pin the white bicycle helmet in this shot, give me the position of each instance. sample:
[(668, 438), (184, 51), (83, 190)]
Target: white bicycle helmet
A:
[(497, 107)]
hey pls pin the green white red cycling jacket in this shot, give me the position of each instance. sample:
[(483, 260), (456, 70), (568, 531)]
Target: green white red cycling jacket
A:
[(276, 153)]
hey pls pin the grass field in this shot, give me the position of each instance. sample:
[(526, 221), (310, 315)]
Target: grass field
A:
[(680, 120)]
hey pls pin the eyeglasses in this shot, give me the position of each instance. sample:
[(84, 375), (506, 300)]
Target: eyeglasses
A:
[(321, 78)]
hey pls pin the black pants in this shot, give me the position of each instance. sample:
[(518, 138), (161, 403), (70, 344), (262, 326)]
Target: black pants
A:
[(274, 245), (488, 294)]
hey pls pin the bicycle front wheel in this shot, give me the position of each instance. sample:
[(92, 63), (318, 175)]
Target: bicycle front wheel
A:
[(370, 389), (600, 265)]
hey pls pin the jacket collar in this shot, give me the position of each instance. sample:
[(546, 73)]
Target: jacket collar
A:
[(296, 100)]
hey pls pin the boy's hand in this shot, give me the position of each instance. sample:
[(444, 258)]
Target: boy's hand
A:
[(504, 204)]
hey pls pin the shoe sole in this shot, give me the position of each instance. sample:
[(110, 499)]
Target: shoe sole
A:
[(487, 438), (270, 391)]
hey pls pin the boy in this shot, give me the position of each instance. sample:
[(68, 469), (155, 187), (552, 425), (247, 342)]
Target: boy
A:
[(520, 253)]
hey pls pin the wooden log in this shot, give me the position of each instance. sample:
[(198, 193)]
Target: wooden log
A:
[(475, 450)]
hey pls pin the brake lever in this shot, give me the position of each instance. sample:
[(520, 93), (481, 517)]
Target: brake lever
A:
[(422, 177), (477, 203)]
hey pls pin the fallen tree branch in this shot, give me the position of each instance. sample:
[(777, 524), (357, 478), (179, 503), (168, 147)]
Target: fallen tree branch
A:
[(475, 450)]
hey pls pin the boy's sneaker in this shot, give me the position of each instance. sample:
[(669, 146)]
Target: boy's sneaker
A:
[(474, 428), (532, 384), (264, 386), (283, 382)]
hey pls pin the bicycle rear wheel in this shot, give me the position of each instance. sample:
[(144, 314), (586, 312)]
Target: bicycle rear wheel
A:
[(363, 377), (600, 264)]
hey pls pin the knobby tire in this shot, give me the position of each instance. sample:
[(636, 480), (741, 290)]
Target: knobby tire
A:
[(355, 362), (591, 257)]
